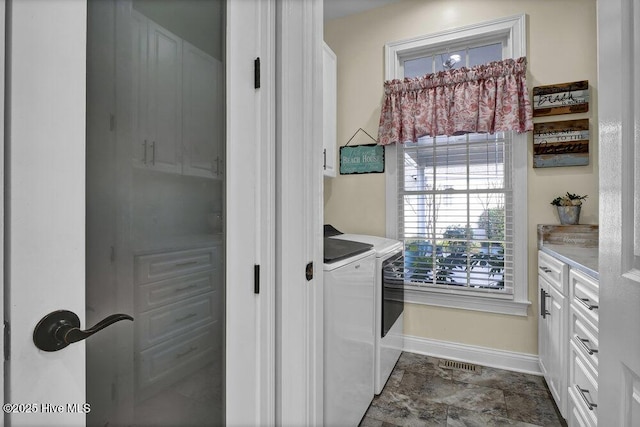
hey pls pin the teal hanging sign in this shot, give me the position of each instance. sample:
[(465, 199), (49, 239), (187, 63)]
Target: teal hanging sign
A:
[(361, 159)]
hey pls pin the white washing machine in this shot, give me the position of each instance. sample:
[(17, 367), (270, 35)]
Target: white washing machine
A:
[(349, 284), (389, 303)]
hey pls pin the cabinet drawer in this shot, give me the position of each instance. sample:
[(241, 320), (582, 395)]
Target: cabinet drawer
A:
[(158, 325), (162, 365), (583, 385), (583, 294), (151, 268), (585, 336), (575, 415), (156, 294), (554, 271)]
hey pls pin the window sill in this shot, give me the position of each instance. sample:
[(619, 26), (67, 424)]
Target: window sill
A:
[(489, 304)]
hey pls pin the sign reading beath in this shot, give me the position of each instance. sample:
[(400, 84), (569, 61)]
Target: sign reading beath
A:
[(565, 98), (361, 159)]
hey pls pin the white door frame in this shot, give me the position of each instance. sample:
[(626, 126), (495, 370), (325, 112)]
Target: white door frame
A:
[(252, 152), (299, 214), (2, 129)]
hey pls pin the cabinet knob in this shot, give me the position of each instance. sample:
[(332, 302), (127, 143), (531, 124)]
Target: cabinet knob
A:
[(60, 328)]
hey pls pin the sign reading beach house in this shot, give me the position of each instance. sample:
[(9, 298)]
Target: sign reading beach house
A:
[(361, 159), (565, 98), (564, 143)]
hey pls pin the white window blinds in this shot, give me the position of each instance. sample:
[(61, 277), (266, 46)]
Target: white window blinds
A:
[(455, 210)]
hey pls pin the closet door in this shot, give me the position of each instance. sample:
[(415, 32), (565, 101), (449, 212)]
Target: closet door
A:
[(88, 233)]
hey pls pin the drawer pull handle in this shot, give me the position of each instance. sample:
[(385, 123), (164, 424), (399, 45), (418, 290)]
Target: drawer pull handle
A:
[(585, 302), (184, 288), (182, 264), (181, 355), (545, 269), (583, 343), (582, 392), (183, 318)]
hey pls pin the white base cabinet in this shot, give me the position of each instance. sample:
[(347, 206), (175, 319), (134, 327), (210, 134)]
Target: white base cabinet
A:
[(178, 311), (568, 339), (552, 326), (583, 336)]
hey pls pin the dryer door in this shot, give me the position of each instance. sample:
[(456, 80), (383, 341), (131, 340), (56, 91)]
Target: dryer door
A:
[(392, 291)]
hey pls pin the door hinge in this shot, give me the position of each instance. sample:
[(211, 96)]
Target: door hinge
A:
[(256, 73), (7, 340), (256, 279)]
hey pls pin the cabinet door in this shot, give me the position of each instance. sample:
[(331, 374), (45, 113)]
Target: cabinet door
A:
[(557, 344), (329, 116), (164, 96), (202, 113), (139, 89), (543, 331)]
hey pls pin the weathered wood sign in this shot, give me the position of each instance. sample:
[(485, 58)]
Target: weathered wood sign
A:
[(361, 159), (565, 98), (564, 143)]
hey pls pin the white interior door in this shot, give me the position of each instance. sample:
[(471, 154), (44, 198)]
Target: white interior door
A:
[(46, 146), (619, 122), (45, 203)]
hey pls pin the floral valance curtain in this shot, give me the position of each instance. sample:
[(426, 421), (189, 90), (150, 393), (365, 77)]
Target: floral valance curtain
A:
[(486, 98)]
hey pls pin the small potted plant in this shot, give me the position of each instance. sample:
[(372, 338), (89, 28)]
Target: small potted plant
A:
[(568, 207)]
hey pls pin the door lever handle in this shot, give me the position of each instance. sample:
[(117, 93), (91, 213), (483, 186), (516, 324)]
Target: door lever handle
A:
[(60, 328)]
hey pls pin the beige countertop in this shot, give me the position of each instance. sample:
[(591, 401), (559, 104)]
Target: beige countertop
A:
[(580, 258)]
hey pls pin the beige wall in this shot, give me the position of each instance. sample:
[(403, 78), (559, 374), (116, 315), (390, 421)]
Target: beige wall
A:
[(561, 46)]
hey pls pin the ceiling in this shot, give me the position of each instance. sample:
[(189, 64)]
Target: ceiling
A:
[(340, 8)]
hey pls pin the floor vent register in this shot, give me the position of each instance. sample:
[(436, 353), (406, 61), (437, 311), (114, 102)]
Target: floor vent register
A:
[(461, 366)]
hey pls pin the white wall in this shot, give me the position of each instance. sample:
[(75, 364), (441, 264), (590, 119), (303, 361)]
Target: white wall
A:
[(561, 48)]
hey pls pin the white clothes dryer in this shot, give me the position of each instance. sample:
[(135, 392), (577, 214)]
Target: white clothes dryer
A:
[(389, 303)]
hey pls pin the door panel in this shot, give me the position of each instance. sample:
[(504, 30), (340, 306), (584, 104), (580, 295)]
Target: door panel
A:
[(45, 202), (168, 368), (157, 239), (619, 121)]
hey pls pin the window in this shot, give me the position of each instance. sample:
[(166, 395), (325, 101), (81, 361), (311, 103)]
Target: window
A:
[(459, 203)]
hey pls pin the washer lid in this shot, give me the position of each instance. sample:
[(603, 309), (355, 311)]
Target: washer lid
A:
[(381, 245), (339, 249)]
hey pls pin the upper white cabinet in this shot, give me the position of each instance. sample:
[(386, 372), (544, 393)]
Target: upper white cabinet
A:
[(164, 73), (202, 107), (179, 97), (329, 116)]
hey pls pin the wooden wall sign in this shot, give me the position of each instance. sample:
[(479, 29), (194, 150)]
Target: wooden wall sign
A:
[(361, 159), (564, 143), (565, 98)]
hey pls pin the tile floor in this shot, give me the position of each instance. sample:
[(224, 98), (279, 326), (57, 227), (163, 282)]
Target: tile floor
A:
[(420, 393)]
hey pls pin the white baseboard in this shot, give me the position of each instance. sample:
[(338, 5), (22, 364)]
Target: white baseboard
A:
[(502, 359)]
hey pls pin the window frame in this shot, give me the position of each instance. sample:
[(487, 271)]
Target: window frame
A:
[(512, 32)]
